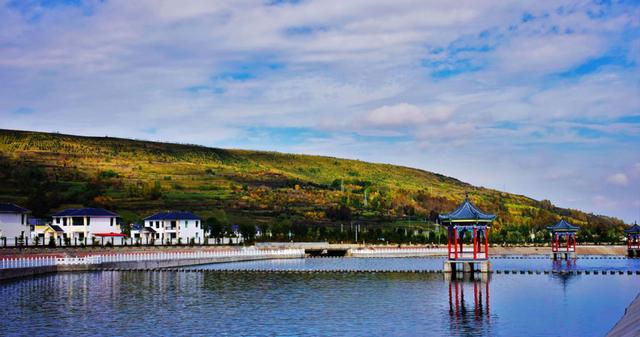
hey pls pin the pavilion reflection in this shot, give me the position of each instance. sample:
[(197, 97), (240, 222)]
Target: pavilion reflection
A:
[(476, 304), (564, 265)]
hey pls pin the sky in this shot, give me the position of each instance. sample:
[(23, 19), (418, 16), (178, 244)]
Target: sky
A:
[(540, 98)]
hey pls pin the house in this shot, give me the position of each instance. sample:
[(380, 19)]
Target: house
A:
[(44, 231), (142, 234), (81, 223), (174, 226), (13, 221)]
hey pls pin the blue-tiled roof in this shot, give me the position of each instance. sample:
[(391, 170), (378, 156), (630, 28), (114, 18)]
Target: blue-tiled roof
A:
[(173, 216), (635, 229), (86, 212), (467, 212), (7, 207), (37, 222), (563, 226)]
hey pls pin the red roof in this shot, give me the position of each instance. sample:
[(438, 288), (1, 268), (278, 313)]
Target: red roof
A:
[(109, 234)]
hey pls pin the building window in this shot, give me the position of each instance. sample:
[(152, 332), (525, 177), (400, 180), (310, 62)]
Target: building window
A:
[(197, 223), (111, 222), (157, 224), (58, 220), (64, 221), (22, 219), (186, 224), (88, 221)]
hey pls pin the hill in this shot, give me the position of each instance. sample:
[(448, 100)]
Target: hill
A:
[(49, 171)]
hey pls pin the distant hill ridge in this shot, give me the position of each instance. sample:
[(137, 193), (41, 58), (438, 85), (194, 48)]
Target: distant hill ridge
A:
[(49, 171)]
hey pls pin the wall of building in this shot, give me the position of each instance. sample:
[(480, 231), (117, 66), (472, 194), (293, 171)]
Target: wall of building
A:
[(184, 229), (91, 226), (189, 229), (14, 225)]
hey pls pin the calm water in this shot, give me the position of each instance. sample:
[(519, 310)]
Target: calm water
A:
[(322, 304), (403, 264)]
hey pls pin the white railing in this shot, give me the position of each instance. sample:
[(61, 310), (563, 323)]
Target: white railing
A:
[(372, 252), (28, 262)]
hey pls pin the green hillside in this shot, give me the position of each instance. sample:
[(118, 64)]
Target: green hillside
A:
[(47, 171)]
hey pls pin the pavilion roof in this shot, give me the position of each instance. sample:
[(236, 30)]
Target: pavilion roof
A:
[(467, 212), (563, 226), (635, 229)]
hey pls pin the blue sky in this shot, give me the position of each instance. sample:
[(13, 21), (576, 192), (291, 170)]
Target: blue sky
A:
[(536, 98)]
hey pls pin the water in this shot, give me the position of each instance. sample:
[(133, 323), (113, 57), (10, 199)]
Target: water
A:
[(316, 304), (534, 263)]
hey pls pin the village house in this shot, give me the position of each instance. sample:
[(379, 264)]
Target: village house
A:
[(43, 231), (174, 226), (81, 223), (13, 221)]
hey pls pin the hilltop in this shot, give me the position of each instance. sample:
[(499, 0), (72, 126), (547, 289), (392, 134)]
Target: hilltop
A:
[(49, 171)]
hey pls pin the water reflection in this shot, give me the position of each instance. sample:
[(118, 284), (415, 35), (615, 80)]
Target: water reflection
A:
[(473, 310), (565, 265)]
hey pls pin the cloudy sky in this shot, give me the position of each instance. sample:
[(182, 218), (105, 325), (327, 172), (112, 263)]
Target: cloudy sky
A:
[(540, 98)]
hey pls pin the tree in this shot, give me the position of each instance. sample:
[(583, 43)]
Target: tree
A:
[(216, 228), (248, 232)]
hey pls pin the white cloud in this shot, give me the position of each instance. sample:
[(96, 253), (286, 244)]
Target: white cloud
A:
[(344, 69), (405, 114), (619, 179)]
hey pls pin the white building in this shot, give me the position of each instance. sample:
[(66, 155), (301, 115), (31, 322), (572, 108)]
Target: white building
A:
[(13, 221), (175, 225), (87, 223)]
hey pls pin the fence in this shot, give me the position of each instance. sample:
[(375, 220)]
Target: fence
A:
[(30, 262), (398, 251), (113, 241)]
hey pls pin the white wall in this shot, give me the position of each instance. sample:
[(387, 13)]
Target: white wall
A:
[(92, 225), (13, 225), (184, 229), (190, 229)]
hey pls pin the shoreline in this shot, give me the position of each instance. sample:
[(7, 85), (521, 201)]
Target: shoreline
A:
[(13, 252)]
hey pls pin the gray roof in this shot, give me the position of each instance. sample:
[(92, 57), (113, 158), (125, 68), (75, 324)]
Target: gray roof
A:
[(467, 212), (563, 226)]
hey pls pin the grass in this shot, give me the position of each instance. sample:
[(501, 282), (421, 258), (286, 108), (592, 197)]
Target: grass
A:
[(120, 174)]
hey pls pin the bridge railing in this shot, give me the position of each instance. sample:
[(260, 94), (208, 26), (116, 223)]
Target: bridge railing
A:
[(30, 262)]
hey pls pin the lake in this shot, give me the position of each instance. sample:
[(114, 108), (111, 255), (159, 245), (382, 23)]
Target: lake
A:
[(322, 304)]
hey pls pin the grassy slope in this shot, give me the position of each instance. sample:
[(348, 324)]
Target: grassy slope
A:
[(248, 185)]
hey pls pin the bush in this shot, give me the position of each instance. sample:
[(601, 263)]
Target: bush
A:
[(108, 174)]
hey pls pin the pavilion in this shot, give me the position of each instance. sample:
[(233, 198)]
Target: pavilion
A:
[(569, 232), (467, 219), (633, 240)]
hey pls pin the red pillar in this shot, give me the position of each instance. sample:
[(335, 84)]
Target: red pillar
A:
[(475, 244), (567, 238), (628, 242), (455, 243), (448, 243), (486, 242)]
